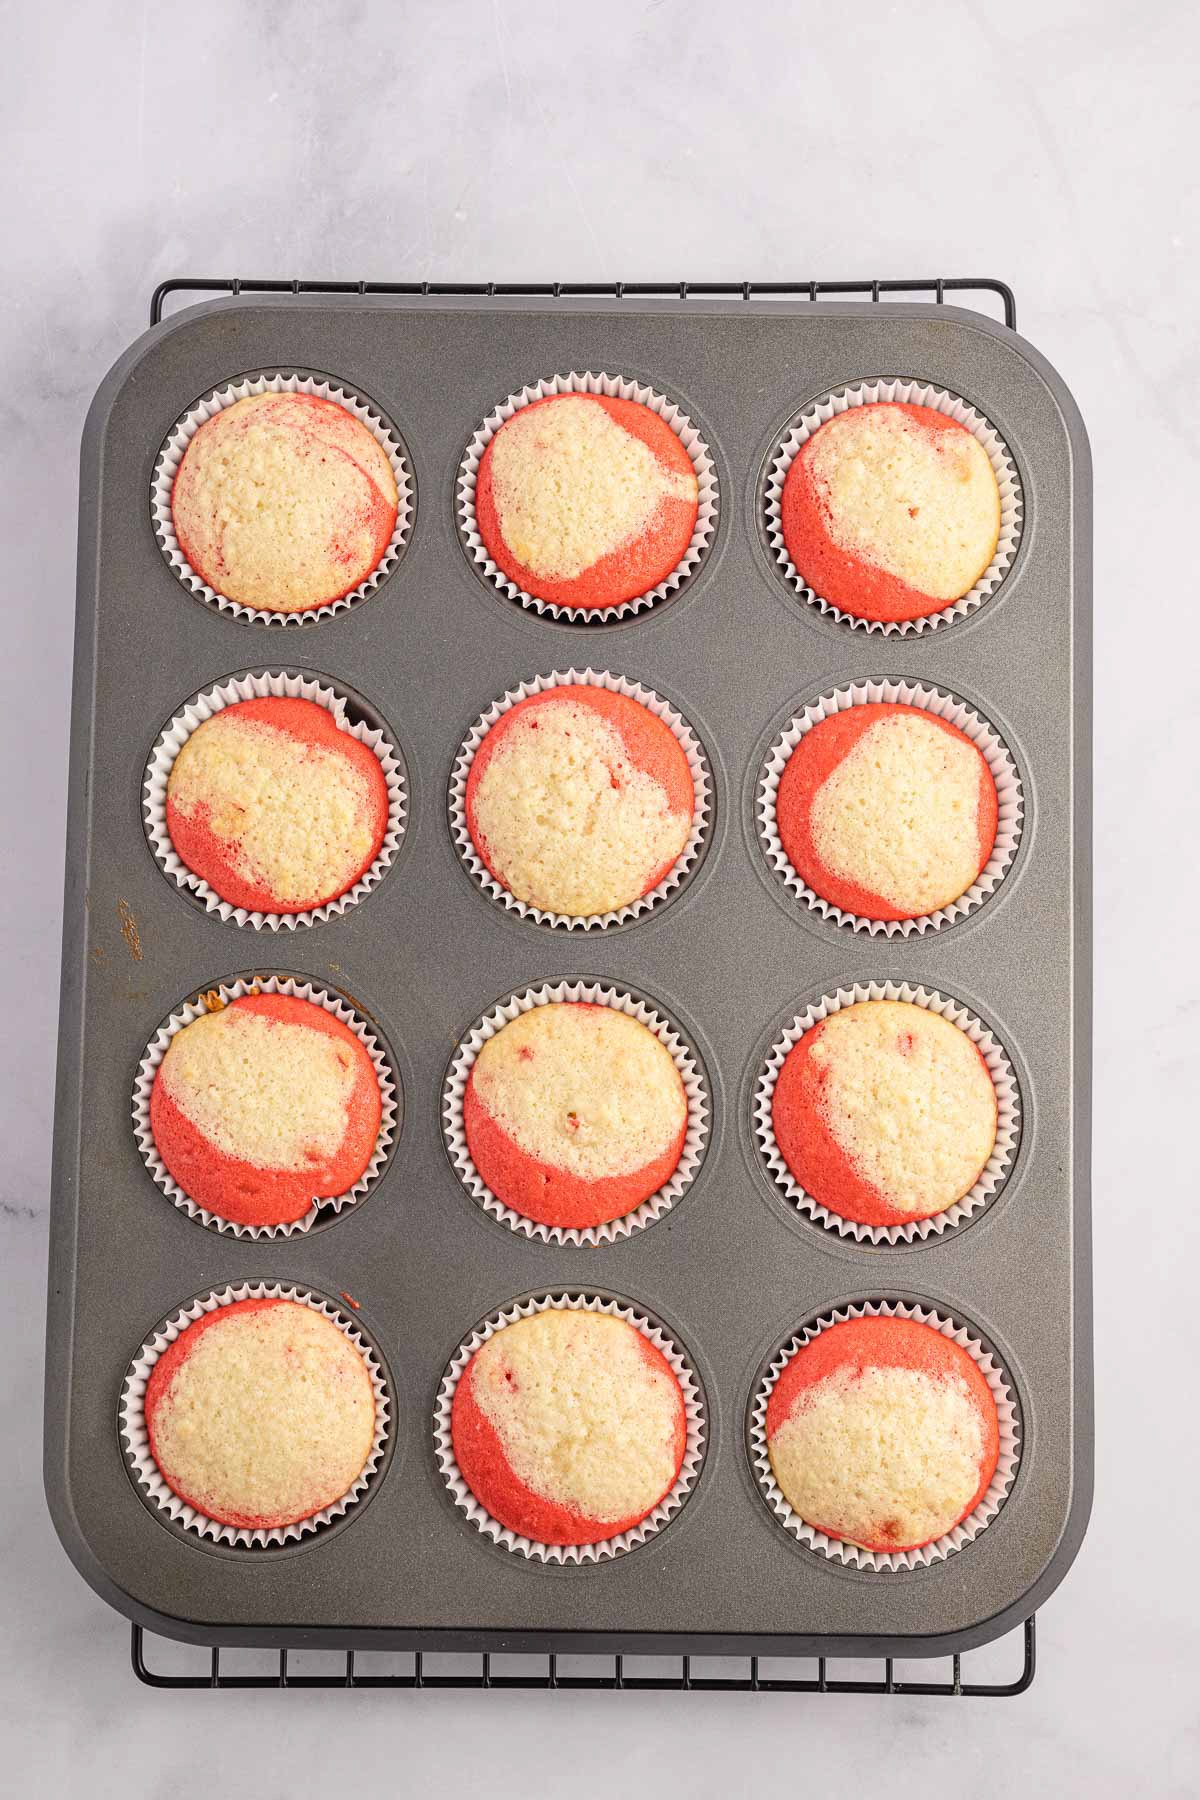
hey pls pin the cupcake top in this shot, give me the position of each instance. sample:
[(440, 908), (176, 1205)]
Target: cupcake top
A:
[(574, 1114), (275, 806), (284, 502), (885, 1112), (265, 1107), (887, 811), (882, 1433), (260, 1414), (579, 800), (569, 1427), (586, 501), (890, 511)]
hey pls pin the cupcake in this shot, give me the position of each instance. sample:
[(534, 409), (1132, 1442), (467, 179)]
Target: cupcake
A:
[(260, 1414), (890, 511), (579, 800), (574, 1114), (284, 502), (568, 1427), (275, 806), (265, 1107), (887, 811), (885, 1113), (882, 1432), (586, 501)]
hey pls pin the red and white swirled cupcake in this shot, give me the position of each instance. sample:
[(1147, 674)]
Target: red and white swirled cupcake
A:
[(264, 1107), (882, 1432), (887, 811), (275, 806), (568, 1426), (586, 501)]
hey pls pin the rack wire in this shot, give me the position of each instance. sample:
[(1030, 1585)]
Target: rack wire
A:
[(689, 1674), (875, 290), (618, 1673)]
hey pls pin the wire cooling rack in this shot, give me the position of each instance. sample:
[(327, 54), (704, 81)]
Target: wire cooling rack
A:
[(211, 1668), (937, 286)]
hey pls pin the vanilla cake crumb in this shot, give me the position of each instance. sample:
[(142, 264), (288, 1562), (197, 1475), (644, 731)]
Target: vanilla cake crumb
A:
[(294, 818), (899, 815), (569, 823), (270, 1416), (909, 1100), (572, 486), (885, 1453), (584, 1418), (262, 1090), (919, 503), (586, 1089)]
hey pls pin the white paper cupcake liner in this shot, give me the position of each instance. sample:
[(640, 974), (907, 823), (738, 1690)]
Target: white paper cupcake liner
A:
[(136, 1439), (195, 1009), (693, 1455), (916, 393), (598, 995), (851, 1555), (697, 762), (258, 687), (1008, 1113), (171, 455), (614, 387), (1010, 814)]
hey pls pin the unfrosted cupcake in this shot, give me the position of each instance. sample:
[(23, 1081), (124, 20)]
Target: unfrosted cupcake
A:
[(284, 502), (569, 1427), (260, 1414), (882, 1432), (887, 811), (579, 800), (890, 511), (586, 501), (574, 1114), (885, 1112), (275, 806), (265, 1107)]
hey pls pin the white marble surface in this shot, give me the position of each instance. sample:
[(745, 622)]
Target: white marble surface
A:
[(1051, 144)]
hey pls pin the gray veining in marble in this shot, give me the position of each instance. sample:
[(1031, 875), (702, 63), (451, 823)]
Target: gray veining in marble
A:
[(1052, 144)]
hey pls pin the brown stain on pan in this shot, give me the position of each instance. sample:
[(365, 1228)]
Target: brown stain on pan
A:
[(129, 929)]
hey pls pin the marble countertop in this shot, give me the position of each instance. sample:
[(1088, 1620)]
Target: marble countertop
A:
[(1051, 145)]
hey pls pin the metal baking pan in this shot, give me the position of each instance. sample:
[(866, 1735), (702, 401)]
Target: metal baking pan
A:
[(732, 1269)]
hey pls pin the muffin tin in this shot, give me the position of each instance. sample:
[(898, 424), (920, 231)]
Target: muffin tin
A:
[(729, 958)]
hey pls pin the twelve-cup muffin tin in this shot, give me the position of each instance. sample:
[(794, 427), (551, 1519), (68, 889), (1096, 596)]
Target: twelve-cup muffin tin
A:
[(729, 958)]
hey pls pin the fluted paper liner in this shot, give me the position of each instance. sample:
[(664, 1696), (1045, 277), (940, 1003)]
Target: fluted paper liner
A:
[(195, 1009), (942, 705), (838, 1549), (136, 1441), (258, 687), (171, 455), (916, 393), (1008, 1113), (596, 994), (693, 1455), (697, 762), (614, 387)]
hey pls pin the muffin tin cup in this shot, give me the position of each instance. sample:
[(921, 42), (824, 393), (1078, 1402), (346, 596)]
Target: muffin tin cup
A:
[(205, 706), (136, 1441), (1008, 1114), (697, 762), (171, 455), (852, 1555), (916, 393), (596, 994), (999, 759), (223, 993), (613, 387), (607, 1548)]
